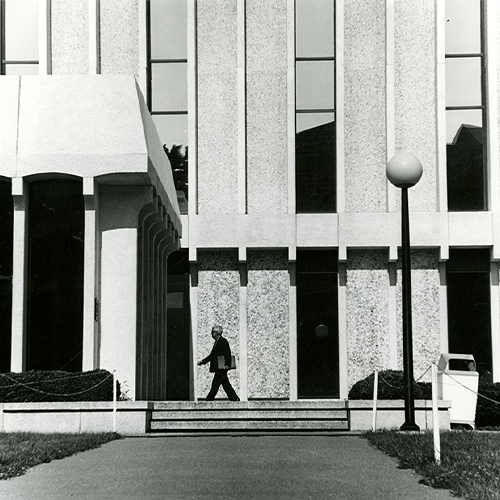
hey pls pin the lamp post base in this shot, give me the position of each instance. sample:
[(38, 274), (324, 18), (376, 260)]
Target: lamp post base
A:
[(410, 426)]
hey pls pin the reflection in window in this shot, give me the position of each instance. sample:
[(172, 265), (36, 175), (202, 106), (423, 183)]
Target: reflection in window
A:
[(167, 85), (466, 172), (469, 314), (315, 107), (19, 37)]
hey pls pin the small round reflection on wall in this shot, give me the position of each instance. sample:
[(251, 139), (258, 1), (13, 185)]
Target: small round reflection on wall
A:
[(321, 331)]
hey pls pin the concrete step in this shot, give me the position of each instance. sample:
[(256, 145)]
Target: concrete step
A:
[(263, 416), (249, 425)]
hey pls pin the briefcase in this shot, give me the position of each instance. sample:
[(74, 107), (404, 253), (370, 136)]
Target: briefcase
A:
[(221, 362)]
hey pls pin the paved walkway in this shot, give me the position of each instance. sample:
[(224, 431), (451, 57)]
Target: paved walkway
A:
[(223, 467)]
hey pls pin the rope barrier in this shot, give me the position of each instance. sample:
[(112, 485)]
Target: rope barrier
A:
[(405, 386), (446, 373), (38, 382), (54, 393)]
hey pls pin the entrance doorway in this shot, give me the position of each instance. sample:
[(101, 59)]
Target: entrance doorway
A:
[(178, 326), (317, 324), (55, 275)]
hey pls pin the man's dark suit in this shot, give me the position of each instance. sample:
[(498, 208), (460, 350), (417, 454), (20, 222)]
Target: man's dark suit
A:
[(220, 348)]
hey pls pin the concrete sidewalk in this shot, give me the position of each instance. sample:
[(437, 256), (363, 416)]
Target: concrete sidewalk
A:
[(222, 467)]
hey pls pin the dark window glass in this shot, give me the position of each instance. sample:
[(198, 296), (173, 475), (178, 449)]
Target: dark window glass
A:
[(465, 169), (315, 176), (315, 169), (469, 315), (6, 252), (55, 275), (178, 326), (317, 324), (465, 110)]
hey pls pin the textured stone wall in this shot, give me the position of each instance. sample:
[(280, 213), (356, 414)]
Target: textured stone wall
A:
[(119, 37), (218, 304), (365, 136), (367, 313), (425, 311), (70, 37), (415, 94), (268, 340), (267, 165), (217, 107)]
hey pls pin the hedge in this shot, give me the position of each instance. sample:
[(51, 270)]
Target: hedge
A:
[(52, 386), (391, 386), (488, 412)]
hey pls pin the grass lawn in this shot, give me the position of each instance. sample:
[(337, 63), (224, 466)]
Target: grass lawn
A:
[(470, 460), (20, 451)]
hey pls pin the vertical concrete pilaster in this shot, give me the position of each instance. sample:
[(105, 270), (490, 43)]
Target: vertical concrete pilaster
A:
[(89, 281), (292, 325), (193, 299), (19, 275), (495, 320), (94, 37), (242, 260), (45, 66)]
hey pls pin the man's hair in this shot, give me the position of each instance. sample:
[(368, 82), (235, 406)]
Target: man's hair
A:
[(218, 328)]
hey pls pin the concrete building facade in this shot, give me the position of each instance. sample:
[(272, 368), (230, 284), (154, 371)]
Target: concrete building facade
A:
[(290, 230)]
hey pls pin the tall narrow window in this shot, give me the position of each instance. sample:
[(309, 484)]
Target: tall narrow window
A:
[(55, 275), (317, 324), (315, 106), (178, 321), (19, 37), (469, 313), (465, 110), (167, 92)]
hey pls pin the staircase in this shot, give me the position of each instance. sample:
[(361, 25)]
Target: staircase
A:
[(249, 416)]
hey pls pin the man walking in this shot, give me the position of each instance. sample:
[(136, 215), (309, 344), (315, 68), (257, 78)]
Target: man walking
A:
[(220, 348)]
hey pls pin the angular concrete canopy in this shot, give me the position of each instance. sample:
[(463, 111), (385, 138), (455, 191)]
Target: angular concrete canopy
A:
[(90, 126)]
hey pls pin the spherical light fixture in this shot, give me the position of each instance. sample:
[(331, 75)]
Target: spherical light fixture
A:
[(404, 170)]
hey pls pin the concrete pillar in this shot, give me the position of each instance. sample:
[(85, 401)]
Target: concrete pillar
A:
[(19, 268), (119, 304), (292, 325), (242, 260), (119, 208), (89, 271)]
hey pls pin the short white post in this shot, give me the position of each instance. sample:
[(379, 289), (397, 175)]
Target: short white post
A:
[(435, 416), (375, 395), (114, 400)]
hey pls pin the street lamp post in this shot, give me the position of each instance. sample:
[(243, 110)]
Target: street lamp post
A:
[(404, 171)]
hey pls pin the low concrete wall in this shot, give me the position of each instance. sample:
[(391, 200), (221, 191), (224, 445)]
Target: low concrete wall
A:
[(132, 417), (391, 414)]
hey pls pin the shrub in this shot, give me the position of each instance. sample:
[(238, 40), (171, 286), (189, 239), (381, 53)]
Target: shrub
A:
[(488, 412), (390, 386), (51, 386)]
